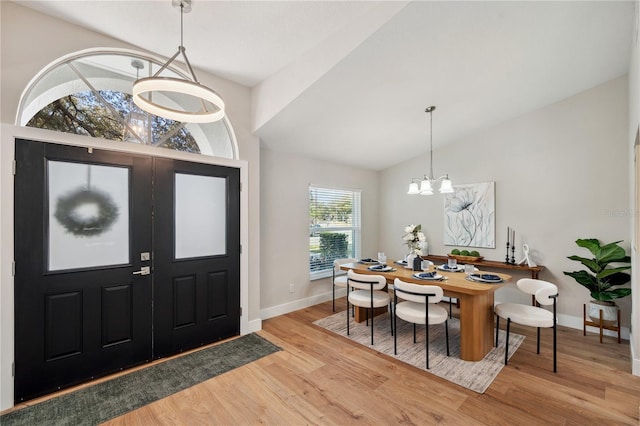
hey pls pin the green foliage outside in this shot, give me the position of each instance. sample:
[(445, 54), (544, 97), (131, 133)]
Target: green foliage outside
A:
[(333, 246), (103, 116), (602, 278)]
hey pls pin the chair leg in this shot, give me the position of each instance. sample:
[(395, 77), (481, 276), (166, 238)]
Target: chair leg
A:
[(497, 329), (334, 297), (414, 332), (538, 342), (391, 317), (347, 314), (426, 338), (371, 325), (506, 343), (446, 333), (395, 334), (555, 365), (449, 307)]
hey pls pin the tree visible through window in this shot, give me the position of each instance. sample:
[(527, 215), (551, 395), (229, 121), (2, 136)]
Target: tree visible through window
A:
[(334, 227), (105, 116)]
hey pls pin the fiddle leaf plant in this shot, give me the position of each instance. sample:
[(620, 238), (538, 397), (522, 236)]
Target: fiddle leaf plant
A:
[(601, 279)]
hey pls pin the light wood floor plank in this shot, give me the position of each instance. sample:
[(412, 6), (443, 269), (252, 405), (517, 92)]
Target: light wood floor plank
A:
[(323, 379)]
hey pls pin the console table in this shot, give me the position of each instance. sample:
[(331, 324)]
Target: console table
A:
[(534, 270)]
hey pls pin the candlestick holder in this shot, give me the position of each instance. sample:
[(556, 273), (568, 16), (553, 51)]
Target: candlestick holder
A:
[(506, 258), (513, 254)]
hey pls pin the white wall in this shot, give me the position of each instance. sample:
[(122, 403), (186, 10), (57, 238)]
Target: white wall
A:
[(634, 204), (284, 212), (561, 173), (30, 41)]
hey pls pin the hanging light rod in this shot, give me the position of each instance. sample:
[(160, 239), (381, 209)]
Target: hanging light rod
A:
[(427, 181), (212, 104)]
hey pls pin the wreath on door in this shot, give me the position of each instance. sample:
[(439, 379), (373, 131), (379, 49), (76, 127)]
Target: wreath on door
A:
[(68, 212)]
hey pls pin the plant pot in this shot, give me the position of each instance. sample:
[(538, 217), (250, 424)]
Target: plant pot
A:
[(609, 312)]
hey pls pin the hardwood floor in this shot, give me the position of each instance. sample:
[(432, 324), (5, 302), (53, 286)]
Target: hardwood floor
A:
[(321, 378)]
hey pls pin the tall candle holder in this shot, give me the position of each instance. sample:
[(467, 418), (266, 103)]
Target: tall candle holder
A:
[(506, 258), (513, 254)]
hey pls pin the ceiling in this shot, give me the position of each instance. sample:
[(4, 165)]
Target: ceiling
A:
[(348, 81)]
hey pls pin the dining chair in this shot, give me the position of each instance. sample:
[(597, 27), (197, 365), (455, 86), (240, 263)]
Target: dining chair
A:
[(418, 306), (340, 276), (367, 294), (545, 293)]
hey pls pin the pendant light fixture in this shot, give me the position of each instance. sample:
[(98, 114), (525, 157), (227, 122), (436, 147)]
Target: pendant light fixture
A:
[(427, 182), (210, 103), (136, 127)]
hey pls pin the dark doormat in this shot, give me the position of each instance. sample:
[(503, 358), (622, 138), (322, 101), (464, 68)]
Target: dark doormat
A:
[(110, 399)]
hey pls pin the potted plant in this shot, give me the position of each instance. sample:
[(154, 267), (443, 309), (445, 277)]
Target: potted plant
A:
[(602, 278)]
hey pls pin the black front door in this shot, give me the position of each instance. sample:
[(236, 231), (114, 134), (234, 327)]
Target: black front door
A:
[(106, 276), (196, 273)]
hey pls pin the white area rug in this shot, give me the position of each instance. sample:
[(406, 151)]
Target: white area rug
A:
[(476, 376)]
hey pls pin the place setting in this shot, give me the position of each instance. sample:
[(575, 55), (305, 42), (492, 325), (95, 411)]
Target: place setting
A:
[(378, 265)]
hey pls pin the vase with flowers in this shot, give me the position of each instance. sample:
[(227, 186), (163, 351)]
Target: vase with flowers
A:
[(415, 241)]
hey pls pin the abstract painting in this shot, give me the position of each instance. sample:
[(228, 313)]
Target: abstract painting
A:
[(469, 216)]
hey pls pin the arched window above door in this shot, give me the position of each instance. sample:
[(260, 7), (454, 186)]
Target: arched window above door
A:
[(89, 93)]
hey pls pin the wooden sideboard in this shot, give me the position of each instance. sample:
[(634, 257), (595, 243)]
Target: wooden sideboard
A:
[(534, 270)]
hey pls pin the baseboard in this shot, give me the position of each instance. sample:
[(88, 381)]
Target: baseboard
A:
[(635, 357), (564, 320), (251, 327), (577, 323), (300, 304)]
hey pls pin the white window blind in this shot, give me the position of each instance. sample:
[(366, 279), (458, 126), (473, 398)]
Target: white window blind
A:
[(334, 228)]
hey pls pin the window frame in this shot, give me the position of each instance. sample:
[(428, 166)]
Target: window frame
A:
[(355, 229)]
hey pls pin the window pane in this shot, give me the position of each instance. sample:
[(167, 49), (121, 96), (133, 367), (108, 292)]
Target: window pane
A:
[(334, 226), (88, 215), (200, 219)]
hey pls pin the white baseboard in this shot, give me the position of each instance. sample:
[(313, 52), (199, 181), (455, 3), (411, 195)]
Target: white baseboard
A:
[(635, 358), (300, 304), (251, 327), (564, 320)]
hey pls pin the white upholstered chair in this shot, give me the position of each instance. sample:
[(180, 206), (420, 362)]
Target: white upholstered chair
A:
[(418, 306), (545, 293), (368, 293), (340, 276)]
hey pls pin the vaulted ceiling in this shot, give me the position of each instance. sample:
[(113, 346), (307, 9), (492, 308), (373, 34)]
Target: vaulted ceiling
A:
[(348, 81)]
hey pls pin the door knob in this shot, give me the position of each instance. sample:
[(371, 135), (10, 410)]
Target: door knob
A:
[(145, 270)]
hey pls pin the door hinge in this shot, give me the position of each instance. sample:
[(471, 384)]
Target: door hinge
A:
[(240, 186), (240, 248), (13, 268), (14, 166), (240, 310), (13, 369)]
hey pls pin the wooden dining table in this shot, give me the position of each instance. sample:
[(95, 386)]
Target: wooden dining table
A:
[(477, 324)]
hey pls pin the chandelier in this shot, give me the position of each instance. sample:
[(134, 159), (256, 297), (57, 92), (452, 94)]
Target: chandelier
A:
[(427, 181), (210, 104)]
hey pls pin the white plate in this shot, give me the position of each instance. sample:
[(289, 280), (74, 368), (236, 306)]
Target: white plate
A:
[(378, 269), (446, 268), (478, 277), (435, 277)]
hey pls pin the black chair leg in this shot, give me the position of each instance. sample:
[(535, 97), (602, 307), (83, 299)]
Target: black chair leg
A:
[(395, 334), (555, 366), (347, 315), (391, 317), (497, 329), (426, 338), (414, 332), (449, 307), (446, 333), (334, 298), (506, 343), (538, 342), (371, 326)]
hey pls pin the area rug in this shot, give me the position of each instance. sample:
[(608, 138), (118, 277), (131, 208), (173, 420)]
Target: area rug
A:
[(476, 376), (107, 400)]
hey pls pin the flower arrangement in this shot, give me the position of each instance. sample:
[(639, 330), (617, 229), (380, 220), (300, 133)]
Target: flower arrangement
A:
[(414, 239)]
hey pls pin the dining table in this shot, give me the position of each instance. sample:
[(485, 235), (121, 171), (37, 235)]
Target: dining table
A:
[(476, 301)]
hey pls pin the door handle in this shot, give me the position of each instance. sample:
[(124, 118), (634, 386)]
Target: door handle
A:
[(145, 270)]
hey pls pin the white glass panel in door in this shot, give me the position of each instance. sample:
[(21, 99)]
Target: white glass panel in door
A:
[(200, 219), (88, 215)]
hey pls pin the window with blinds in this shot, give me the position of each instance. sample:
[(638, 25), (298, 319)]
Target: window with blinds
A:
[(334, 228)]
